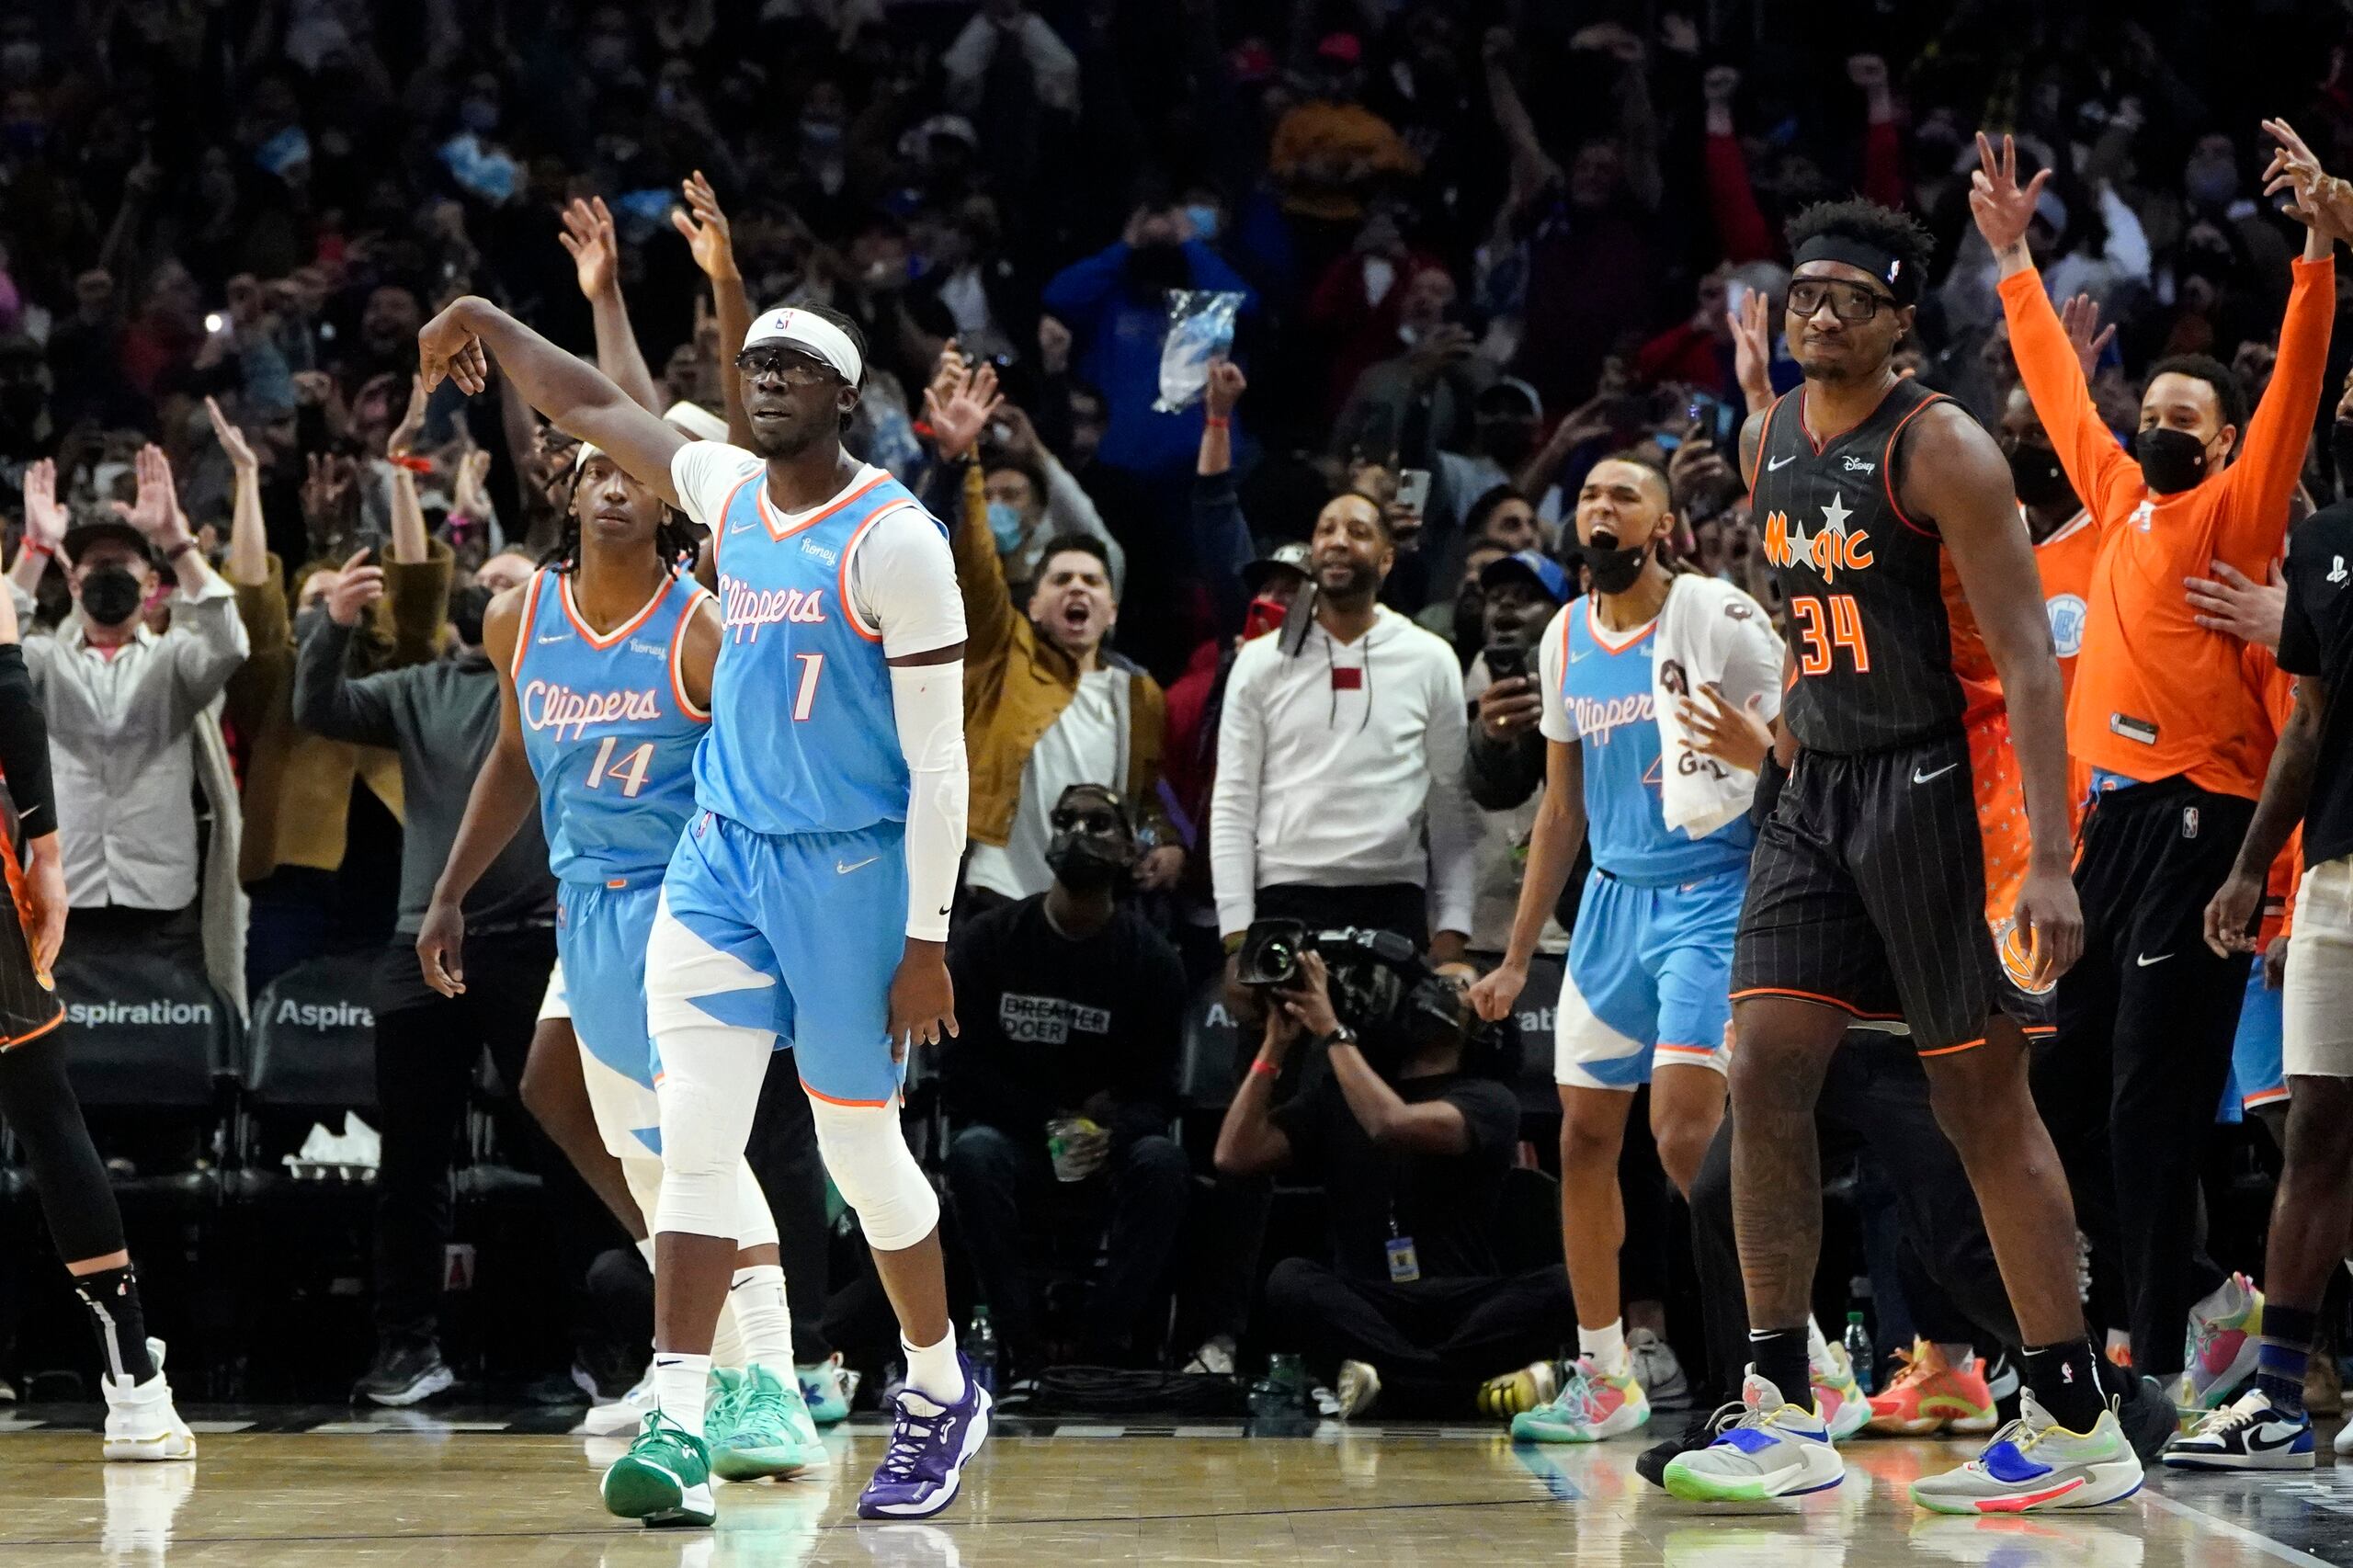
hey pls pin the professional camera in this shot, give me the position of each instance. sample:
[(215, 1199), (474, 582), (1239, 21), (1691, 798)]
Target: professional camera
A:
[(1380, 984)]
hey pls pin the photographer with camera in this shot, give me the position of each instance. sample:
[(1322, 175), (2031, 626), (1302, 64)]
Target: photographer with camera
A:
[(1411, 1145), (1063, 1083)]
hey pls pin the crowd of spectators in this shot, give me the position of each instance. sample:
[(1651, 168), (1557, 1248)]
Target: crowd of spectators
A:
[(1474, 249)]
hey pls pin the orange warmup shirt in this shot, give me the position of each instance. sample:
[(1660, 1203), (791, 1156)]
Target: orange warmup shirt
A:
[(2155, 695)]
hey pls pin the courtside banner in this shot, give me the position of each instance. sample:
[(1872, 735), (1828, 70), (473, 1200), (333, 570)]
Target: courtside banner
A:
[(143, 1030)]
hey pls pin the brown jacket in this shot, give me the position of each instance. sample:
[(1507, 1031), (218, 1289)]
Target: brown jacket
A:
[(298, 784), (1016, 683)]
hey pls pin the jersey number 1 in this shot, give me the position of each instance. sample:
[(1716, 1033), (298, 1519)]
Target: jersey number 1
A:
[(629, 772), (1846, 630)]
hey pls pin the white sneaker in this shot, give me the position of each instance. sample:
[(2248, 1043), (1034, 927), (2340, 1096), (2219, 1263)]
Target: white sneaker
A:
[(1214, 1358), (140, 1422), (2343, 1444), (1775, 1450), (625, 1413), (1360, 1387)]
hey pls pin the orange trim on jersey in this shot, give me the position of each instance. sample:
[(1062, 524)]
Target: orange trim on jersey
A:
[(2264, 1097), (36, 1034), (719, 529), (1601, 636), (1846, 1007), (1949, 1050), (856, 621), (779, 530), (1887, 465), (860, 1105), (588, 633), (695, 602), (1689, 1050), (524, 627)]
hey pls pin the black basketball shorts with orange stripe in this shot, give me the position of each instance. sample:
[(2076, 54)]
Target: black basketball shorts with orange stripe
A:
[(1882, 884), (29, 1006)]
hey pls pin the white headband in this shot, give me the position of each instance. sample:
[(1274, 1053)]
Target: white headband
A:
[(805, 330), (696, 421)]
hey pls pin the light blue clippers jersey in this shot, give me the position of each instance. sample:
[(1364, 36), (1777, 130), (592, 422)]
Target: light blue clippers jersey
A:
[(609, 730), (1605, 689), (802, 737)]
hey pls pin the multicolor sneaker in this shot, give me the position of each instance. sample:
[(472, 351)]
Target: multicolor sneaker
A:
[(2226, 1339), (1774, 1450), (2250, 1434), (1592, 1405), (663, 1480), (2034, 1465), (1931, 1394), (930, 1445), (822, 1390), (141, 1422), (759, 1427), (1845, 1409), (1524, 1389)]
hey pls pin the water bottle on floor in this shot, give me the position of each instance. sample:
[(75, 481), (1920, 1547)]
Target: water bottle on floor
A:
[(980, 1349), (1857, 1341)]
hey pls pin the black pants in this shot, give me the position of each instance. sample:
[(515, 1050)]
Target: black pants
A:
[(1402, 908), (1002, 1186), (783, 1155), (2146, 1025), (176, 935), (1876, 1097), (1433, 1341), (427, 1046)]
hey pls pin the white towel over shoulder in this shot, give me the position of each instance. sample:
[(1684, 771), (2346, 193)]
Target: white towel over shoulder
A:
[(1709, 634)]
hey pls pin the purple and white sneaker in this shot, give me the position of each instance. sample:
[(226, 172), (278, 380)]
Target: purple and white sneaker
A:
[(930, 1445)]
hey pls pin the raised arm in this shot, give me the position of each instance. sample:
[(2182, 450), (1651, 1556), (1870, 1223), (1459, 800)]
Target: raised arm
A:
[(588, 235), (1956, 477), (710, 239), (248, 560), (576, 398), (504, 794), (45, 523)]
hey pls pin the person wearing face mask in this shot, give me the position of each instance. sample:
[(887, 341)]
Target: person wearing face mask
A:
[(1047, 704), (130, 727), (2174, 734), (442, 718), (1066, 1072), (1647, 998)]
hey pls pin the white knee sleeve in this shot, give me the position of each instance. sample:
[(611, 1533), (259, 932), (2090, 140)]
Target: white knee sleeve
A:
[(869, 1159), (754, 1225), (709, 1088)]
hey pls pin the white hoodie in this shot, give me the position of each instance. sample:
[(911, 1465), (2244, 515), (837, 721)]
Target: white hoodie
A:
[(1330, 766)]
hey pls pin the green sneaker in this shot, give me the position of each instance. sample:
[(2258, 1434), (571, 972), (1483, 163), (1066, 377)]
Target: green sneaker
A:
[(664, 1479), (762, 1428), (821, 1390)]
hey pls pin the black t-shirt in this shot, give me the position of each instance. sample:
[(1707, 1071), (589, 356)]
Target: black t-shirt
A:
[(2316, 639), (1048, 1022), (1449, 1205)]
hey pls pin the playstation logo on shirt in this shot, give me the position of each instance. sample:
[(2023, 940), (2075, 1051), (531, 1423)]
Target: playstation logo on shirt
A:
[(2336, 570)]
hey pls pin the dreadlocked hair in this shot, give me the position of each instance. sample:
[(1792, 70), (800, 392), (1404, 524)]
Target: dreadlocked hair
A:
[(673, 541)]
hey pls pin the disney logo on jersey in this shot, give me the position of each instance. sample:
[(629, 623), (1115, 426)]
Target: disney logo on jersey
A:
[(1831, 548), (548, 706), (744, 609), (1596, 720)]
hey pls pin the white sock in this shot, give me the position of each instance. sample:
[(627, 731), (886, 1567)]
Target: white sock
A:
[(645, 1250), (763, 1317), (1605, 1349), (1817, 1349), (679, 1384), (727, 1338), (933, 1371)]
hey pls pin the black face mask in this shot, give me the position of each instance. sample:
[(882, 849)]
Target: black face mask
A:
[(2038, 478), (2171, 461), (1086, 862), (467, 608), (110, 595), (1614, 570)]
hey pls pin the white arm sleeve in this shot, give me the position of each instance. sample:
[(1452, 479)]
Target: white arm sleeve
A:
[(928, 703), (705, 473)]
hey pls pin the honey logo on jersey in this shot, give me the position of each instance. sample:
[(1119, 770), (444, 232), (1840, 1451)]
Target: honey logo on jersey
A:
[(1829, 550)]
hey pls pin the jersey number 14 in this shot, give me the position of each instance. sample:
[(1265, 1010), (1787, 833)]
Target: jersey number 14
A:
[(628, 773)]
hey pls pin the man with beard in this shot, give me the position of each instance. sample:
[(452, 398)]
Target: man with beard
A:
[(1067, 1069), (1340, 743), (1047, 704), (808, 903)]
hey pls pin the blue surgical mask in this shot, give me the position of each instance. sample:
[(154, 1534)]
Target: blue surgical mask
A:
[(1005, 526), (1204, 221)]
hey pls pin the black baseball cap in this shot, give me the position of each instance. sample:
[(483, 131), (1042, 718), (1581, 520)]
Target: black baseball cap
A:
[(1288, 556), (82, 536)]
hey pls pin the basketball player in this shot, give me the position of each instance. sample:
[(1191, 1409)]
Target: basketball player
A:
[(1646, 998), (808, 901), (1890, 522), (605, 658), (36, 1102)]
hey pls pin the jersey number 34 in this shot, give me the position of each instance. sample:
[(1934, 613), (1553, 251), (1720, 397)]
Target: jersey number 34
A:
[(1816, 651)]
